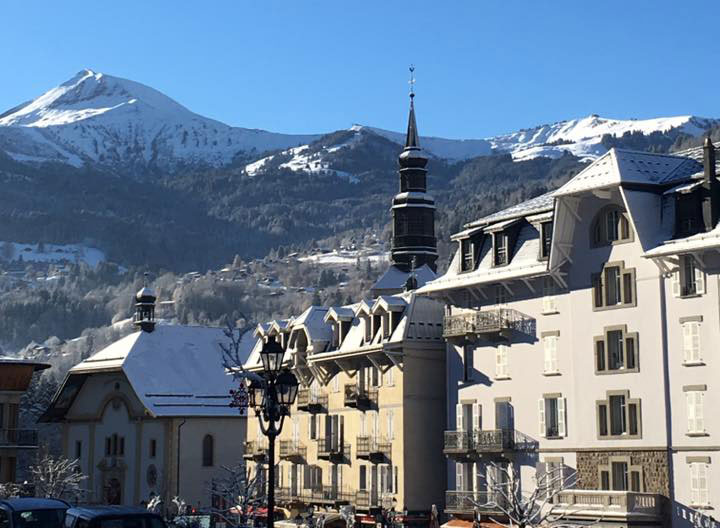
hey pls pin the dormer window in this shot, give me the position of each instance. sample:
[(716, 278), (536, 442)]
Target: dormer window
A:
[(611, 226), (546, 230), (500, 249), (466, 248)]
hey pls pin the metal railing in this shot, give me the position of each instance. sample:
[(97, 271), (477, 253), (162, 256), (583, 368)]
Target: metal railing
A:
[(308, 399), (367, 446), (292, 449), (359, 396), (332, 448), (484, 322), (255, 449), (487, 441), (609, 504), (471, 501), (19, 437)]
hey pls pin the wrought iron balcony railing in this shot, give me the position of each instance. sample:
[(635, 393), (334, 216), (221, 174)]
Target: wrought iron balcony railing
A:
[(359, 397), (291, 449), (372, 447), (473, 501), (332, 449), (496, 322), (256, 449), (309, 400), (466, 443)]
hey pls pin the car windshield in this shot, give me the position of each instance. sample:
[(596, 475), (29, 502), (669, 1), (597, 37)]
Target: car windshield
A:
[(131, 522), (38, 519)]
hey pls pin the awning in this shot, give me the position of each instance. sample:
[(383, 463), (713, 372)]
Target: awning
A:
[(457, 523)]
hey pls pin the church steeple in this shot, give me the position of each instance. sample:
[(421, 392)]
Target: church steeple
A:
[(144, 317), (413, 209)]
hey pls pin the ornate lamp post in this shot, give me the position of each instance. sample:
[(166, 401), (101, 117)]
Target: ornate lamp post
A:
[(270, 395)]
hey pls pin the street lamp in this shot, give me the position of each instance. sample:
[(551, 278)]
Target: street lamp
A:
[(270, 394)]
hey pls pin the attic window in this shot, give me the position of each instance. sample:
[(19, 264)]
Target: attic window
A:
[(467, 263), (611, 226), (546, 231), (500, 249)]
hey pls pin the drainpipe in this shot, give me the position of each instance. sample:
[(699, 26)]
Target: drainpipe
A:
[(177, 492)]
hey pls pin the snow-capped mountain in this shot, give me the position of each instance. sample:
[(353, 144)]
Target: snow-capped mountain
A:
[(97, 118), (580, 137)]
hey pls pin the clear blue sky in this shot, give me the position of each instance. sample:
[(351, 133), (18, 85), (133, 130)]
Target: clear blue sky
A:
[(483, 67)]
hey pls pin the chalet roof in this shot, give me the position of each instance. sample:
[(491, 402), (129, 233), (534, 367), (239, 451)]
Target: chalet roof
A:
[(541, 203), (174, 370), (626, 166)]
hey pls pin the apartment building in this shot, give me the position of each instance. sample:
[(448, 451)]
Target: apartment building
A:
[(366, 426), (580, 328)]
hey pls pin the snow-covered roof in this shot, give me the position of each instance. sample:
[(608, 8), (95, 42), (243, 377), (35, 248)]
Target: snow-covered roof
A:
[(627, 166), (174, 370), (695, 243), (340, 313), (145, 291), (541, 203), (394, 279)]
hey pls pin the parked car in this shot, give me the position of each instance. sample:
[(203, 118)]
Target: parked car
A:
[(112, 517), (32, 513)]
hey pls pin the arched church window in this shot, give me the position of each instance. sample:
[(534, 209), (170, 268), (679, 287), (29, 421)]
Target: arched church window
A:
[(208, 448)]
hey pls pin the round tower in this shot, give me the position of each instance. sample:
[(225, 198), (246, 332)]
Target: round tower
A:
[(144, 317)]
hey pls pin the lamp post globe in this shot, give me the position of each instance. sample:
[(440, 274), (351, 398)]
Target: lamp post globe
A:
[(287, 388), (272, 356)]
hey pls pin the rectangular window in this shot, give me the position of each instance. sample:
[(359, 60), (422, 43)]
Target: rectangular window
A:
[(363, 478), (689, 278), (78, 449), (468, 263), (153, 448), (549, 302), (550, 352), (551, 412), (695, 412), (468, 352), (546, 230), (616, 351), (108, 446), (699, 484), (619, 476), (501, 362), (501, 249), (613, 287), (691, 342), (500, 294), (619, 416)]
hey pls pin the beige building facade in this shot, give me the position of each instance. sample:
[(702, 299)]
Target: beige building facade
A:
[(366, 427), (581, 328)]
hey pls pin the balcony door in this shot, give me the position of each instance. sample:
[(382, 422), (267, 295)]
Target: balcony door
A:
[(294, 479), (373, 484), (504, 415), (463, 476)]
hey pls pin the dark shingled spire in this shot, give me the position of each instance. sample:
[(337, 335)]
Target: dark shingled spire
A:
[(411, 139)]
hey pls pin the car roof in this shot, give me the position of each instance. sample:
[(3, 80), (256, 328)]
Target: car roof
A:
[(93, 512), (31, 503)]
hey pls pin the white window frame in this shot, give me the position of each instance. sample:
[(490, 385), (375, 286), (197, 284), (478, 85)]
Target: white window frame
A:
[(695, 401), (699, 484), (549, 300), (561, 417), (691, 343), (502, 362), (390, 416), (390, 377), (550, 354), (678, 277)]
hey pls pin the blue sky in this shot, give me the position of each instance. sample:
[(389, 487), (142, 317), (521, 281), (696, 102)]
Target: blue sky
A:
[(483, 67)]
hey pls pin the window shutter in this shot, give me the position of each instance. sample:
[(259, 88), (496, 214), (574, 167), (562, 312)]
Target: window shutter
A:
[(553, 353), (476, 417), (459, 417), (547, 353), (692, 424), (699, 411), (699, 279), (695, 484), (390, 424), (459, 485), (695, 341), (702, 484), (362, 424), (541, 417), (676, 283), (562, 429), (687, 342)]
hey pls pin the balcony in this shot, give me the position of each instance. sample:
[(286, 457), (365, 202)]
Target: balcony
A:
[(626, 506), (311, 401), (19, 438), (487, 324), (372, 448), (325, 495), (469, 502), (292, 450), (464, 444), (333, 450), (256, 450), (359, 397)]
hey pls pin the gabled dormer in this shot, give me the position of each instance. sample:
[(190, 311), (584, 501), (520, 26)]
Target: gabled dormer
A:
[(363, 311), (388, 311), (341, 319), (503, 236)]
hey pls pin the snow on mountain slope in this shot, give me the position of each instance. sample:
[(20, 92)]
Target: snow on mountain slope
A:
[(102, 119)]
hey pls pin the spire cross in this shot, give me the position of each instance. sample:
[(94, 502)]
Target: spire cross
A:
[(411, 82)]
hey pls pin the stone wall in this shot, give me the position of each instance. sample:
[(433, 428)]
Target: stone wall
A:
[(654, 467)]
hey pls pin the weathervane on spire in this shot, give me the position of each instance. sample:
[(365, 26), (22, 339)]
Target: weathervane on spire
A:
[(411, 82)]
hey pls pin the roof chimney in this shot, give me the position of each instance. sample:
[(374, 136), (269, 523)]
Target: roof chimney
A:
[(711, 189)]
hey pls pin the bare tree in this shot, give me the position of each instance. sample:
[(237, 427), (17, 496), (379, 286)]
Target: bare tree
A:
[(236, 495), (57, 477), (529, 509), (233, 361)]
